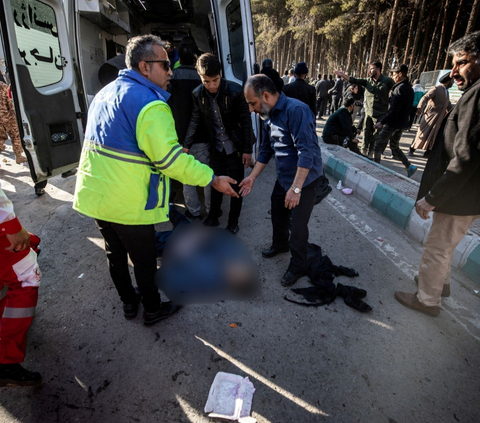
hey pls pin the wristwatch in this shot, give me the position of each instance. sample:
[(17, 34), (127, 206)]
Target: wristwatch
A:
[(296, 190)]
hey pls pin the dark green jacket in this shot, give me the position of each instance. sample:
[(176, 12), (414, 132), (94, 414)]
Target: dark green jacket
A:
[(376, 94)]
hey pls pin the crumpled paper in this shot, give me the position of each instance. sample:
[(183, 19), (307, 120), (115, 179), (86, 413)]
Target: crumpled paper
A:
[(230, 398)]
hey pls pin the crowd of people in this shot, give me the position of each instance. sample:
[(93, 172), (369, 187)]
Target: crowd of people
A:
[(193, 126)]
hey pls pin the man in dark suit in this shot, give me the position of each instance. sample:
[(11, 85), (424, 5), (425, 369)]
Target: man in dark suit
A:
[(300, 90), (337, 94)]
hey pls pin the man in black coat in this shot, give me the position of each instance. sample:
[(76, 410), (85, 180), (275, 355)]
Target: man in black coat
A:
[(337, 94), (221, 114), (450, 185), (300, 90), (267, 69), (321, 88), (339, 127), (391, 126)]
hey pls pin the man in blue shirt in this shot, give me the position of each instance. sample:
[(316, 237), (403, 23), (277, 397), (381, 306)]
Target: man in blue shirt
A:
[(289, 134)]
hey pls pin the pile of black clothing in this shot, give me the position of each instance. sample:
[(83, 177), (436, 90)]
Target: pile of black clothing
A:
[(321, 272)]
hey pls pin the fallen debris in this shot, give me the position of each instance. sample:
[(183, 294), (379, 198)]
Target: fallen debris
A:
[(230, 398)]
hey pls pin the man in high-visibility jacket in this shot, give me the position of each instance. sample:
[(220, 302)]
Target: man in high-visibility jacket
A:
[(129, 155), (19, 282)]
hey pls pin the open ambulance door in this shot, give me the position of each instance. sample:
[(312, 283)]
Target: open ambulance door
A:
[(41, 70), (236, 44)]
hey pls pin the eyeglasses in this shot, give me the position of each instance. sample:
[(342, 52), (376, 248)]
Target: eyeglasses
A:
[(165, 63)]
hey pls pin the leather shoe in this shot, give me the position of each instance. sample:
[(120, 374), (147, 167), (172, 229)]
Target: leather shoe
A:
[(167, 309), (445, 291), (232, 228), (130, 311), (211, 221), (290, 278), (273, 251), (411, 301)]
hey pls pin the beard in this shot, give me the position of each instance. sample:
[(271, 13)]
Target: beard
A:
[(264, 111)]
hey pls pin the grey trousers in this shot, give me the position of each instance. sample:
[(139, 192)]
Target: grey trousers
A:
[(201, 152)]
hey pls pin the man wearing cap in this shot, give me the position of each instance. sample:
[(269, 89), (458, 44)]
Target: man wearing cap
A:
[(450, 185), (377, 89), (289, 135), (393, 123), (434, 106), (300, 90)]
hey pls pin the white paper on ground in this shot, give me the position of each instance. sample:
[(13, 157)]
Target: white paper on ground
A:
[(230, 398)]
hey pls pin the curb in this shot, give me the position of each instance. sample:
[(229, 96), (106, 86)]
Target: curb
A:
[(400, 209)]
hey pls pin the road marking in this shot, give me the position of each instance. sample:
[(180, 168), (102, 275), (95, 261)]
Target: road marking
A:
[(390, 252)]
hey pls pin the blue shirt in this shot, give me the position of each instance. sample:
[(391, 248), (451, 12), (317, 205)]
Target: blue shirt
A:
[(290, 134)]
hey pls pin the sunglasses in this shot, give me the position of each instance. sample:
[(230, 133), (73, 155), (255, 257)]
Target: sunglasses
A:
[(165, 63)]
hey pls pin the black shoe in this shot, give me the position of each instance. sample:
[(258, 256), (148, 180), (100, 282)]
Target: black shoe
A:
[(211, 221), (130, 311), (190, 216), (272, 251), (69, 173), (16, 375), (167, 310), (290, 278), (233, 228), (39, 191)]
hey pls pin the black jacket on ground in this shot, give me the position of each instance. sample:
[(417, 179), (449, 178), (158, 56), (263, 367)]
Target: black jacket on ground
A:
[(451, 180), (322, 87), (401, 101), (184, 80), (300, 90), (234, 114)]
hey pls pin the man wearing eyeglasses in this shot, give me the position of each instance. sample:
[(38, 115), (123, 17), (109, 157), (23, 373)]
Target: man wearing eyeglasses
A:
[(129, 155)]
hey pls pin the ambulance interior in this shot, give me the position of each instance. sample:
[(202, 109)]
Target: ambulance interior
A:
[(103, 28)]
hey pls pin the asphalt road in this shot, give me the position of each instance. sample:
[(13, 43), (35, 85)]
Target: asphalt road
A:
[(326, 364)]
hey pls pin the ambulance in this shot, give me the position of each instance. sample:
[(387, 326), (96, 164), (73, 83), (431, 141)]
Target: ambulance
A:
[(53, 50)]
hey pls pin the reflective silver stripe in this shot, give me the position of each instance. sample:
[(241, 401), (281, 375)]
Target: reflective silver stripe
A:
[(3, 292), (18, 313), (104, 147), (170, 162), (167, 155), (122, 159)]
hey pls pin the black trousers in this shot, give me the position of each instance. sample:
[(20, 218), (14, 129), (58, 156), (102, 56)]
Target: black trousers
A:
[(336, 140), (138, 242), (297, 238), (322, 105), (386, 134), (229, 165)]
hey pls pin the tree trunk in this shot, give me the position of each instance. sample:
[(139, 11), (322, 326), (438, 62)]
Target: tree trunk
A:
[(432, 40), (349, 55), (441, 43), (473, 17), (386, 65), (312, 51), (417, 36), (447, 62), (289, 50), (373, 46), (413, 28)]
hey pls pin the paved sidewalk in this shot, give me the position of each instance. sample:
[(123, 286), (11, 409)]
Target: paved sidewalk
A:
[(387, 189)]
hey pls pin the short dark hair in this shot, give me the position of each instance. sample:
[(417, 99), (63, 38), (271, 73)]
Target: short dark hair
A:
[(325, 76), (141, 49), (186, 53), (260, 84), (469, 44), (208, 65), (377, 65), (348, 101), (319, 76), (352, 87)]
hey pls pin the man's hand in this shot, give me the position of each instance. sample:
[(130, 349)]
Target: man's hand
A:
[(291, 199), (223, 184), (246, 186), (185, 150), (246, 160), (378, 125), (356, 140), (423, 208), (19, 241), (418, 112)]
